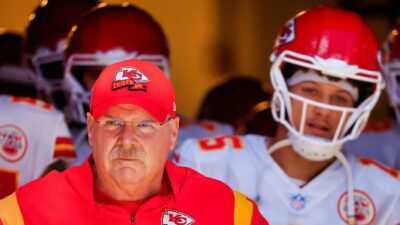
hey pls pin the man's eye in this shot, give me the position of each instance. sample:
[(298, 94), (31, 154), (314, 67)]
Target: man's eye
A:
[(309, 90), (341, 100), (145, 125), (114, 123)]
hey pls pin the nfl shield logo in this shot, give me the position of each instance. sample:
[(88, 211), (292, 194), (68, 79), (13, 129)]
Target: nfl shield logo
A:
[(298, 202)]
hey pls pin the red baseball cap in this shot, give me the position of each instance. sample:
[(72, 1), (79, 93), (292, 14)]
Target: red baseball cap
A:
[(134, 82)]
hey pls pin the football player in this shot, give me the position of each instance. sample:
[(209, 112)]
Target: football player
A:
[(34, 137), (326, 80)]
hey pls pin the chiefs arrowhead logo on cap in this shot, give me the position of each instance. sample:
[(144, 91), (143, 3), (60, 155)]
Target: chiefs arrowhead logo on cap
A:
[(131, 78), (172, 217)]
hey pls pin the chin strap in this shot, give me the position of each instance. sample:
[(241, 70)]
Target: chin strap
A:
[(351, 220), (280, 144)]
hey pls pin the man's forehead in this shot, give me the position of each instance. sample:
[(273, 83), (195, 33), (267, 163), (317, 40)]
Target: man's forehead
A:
[(312, 76), (336, 88), (128, 110)]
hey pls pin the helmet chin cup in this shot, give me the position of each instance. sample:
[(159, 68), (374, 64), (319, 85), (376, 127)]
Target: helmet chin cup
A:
[(314, 148)]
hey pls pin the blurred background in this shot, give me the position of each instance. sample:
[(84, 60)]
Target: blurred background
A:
[(211, 40)]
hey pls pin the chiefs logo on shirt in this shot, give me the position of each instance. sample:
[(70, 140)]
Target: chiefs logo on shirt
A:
[(131, 78), (364, 207), (172, 217), (13, 143)]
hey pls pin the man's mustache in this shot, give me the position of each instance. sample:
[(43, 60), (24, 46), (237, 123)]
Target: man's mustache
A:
[(126, 153)]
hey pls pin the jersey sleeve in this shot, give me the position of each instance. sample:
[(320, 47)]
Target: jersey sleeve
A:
[(209, 156), (63, 145)]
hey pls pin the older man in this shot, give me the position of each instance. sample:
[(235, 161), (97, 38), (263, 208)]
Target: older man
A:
[(132, 126)]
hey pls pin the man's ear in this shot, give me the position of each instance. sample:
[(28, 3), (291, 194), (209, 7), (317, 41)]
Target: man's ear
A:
[(90, 124), (174, 129)]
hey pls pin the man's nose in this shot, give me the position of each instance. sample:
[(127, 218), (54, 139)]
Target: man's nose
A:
[(320, 110), (128, 134)]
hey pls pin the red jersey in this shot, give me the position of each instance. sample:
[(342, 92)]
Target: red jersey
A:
[(68, 198)]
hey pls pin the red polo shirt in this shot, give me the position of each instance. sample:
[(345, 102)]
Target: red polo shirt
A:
[(68, 198)]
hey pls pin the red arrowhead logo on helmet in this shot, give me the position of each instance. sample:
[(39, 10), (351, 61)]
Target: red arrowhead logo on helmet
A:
[(287, 34)]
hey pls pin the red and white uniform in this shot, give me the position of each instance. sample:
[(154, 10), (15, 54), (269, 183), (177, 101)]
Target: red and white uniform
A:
[(244, 164), (32, 136), (379, 141), (203, 128)]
